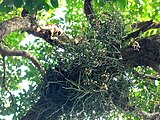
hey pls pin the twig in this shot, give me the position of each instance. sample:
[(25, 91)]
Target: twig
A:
[(6, 44)]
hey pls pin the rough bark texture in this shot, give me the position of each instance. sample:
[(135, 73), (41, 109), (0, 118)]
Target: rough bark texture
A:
[(14, 24), (147, 55)]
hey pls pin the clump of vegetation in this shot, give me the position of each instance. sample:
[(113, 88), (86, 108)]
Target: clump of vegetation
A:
[(89, 79)]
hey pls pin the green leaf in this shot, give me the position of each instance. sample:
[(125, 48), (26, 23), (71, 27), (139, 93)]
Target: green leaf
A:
[(18, 3), (54, 3), (40, 6), (122, 4), (14, 117), (46, 6), (5, 6), (5, 2), (35, 2)]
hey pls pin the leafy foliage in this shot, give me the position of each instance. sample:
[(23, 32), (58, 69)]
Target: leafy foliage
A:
[(31, 5)]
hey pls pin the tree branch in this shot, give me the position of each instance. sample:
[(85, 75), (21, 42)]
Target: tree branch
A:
[(27, 24), (143, 26), (7, 52), (50, 33), (142, 75), (14, 24), (147, 55)]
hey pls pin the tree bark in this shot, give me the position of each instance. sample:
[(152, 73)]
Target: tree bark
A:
[(147, 55)]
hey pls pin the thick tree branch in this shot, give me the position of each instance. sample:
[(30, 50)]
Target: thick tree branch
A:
[(51, 34), (147, 55), (14, 24)]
